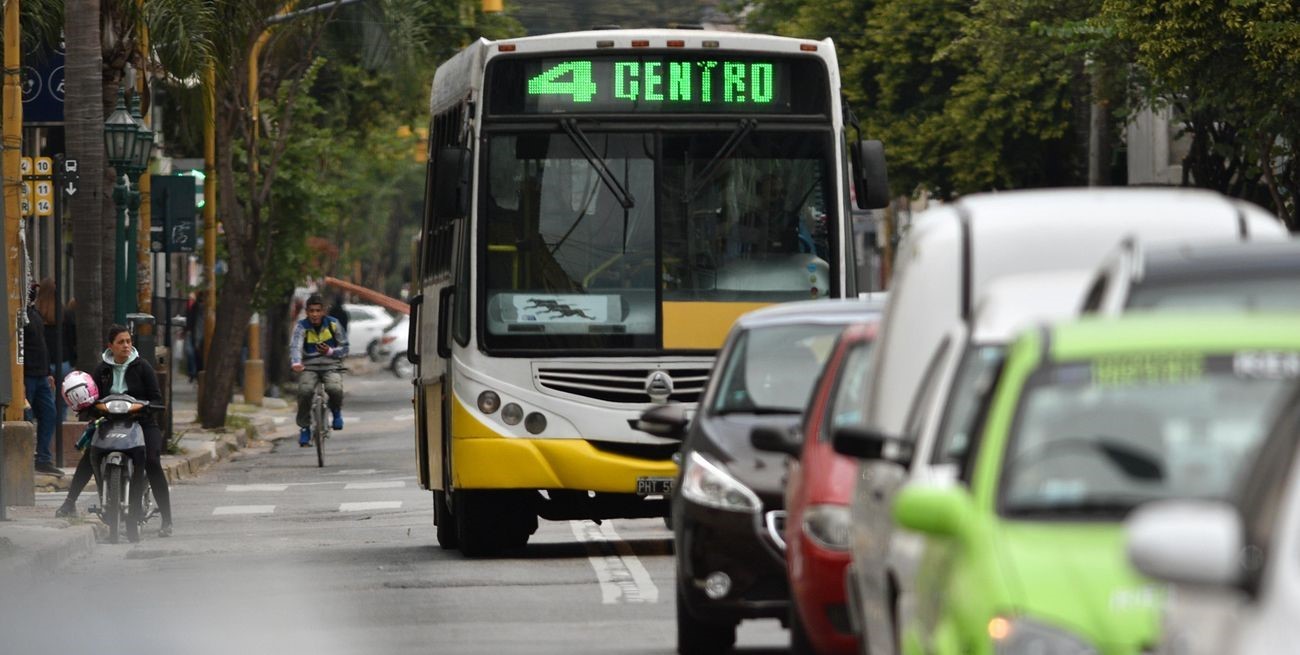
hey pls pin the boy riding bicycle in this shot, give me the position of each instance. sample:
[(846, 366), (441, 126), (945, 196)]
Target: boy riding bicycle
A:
[(318, 345)]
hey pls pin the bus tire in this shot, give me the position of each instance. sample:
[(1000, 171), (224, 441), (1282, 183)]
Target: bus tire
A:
[(476, 523), (444, 521)]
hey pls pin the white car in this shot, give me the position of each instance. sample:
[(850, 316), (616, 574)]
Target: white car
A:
[(1233, 566), (391, 348), (366, 324)]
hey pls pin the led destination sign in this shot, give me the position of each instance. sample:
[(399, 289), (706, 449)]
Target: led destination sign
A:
[(657, 84)]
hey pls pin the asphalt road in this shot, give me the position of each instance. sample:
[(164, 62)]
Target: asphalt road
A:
[(272, 554)]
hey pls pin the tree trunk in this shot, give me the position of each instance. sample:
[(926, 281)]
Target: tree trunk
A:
[(83, 77), (219, 372)]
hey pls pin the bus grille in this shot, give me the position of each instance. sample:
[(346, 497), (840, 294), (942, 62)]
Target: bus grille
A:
[(622, 385)]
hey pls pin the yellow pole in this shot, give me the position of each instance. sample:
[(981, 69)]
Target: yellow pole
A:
[(13, 143), (144, 251), (209, 207)]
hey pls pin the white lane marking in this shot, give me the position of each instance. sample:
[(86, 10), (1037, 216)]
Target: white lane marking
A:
[(256, 487), (354, 472), (622, 577), (243, 509), (372, 505), (396, 484), (279, 420), (410, 416)]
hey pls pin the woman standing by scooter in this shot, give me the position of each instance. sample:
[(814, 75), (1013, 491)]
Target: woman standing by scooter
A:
[(123, 372)]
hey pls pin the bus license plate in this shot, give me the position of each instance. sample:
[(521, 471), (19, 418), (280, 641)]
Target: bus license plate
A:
[(654, 486)]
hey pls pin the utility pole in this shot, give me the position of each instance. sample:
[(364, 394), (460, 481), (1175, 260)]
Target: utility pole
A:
[(12, 168)]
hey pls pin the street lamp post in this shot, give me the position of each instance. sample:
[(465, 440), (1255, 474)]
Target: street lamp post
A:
[(128, 145), (120, 134)]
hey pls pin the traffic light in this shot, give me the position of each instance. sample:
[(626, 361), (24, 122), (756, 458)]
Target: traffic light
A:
[(492, 6)]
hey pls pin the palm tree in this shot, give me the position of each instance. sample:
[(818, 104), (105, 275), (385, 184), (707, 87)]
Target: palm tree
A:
[(84, 125)]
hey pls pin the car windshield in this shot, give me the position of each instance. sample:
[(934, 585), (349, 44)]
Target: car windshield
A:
[(973, 382), (772, 370), (1100, 437), (1233, 293)]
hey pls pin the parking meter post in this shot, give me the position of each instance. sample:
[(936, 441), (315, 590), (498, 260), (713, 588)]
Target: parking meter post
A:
[(254, 370)]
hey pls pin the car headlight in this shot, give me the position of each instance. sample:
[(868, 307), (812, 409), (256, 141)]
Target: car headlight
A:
[(828, 526), (706, 483), (1021, 636)]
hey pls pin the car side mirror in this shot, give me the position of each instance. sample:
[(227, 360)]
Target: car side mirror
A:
[(668, 421), (864, 443), (936, 510), (776, 439), (1188, 542)]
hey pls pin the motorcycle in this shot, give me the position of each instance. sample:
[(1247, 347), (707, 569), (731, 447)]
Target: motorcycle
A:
[(117, 448)]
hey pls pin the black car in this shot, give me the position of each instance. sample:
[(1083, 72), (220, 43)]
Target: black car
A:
[(727, 503)]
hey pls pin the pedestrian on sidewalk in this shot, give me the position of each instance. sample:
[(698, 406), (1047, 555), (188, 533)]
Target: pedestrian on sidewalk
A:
[(47, 300), (39, 386)]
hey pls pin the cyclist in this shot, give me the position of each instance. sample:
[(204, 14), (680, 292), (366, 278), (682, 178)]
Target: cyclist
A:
[(319, 342)]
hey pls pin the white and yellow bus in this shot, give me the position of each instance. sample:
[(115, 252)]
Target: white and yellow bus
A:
[(600, 207)]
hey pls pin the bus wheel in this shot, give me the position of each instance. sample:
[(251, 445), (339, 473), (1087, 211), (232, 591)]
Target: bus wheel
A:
[(477, 525), (444, 520)]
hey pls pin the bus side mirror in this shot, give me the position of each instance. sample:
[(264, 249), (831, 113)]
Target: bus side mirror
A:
[(451, 193), (870, 176)]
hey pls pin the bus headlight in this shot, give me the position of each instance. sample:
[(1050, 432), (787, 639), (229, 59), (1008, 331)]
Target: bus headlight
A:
[(488, 402), (535, 423), (708, 484), (512, 414)]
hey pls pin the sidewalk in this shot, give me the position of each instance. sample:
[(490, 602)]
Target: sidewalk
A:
[(33, 541)]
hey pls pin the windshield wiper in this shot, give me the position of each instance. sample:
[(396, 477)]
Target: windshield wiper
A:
[(1104, 506), (579, 139), (757, 411), (729, 146)]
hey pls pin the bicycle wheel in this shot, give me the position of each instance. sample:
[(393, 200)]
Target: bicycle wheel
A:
[(112, 513), (318, 428)]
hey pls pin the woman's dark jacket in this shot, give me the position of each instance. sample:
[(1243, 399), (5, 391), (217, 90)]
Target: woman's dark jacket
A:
[(141, 384)]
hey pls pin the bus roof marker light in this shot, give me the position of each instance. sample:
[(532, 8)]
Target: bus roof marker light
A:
[(709, 44), (604, 44), (505, 47), (640, 43), (808, 47), (676, 43)]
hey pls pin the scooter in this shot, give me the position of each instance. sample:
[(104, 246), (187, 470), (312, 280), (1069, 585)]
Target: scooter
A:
[(113, 448)]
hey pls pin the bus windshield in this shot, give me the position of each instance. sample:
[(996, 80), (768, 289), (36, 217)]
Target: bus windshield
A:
[(571, 259)]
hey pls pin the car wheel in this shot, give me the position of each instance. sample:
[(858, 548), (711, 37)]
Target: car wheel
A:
[(401, 367), (698, 637), (372, 351)]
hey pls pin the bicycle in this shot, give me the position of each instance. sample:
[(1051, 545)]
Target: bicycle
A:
[(320, 420)]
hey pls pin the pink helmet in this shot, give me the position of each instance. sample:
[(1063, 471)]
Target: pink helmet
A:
[(80, 390)]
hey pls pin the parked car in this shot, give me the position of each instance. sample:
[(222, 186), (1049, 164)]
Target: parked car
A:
[(727, 498), (390, 348), (954, 252), (817, 498), (1246, 275), (366, 324), (1088, 420), (939, 438), (1232, 565)]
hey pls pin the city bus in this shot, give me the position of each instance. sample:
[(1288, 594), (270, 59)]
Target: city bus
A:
[(599, 208)]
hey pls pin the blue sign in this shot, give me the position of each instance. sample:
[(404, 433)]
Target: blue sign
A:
[(42, 80)]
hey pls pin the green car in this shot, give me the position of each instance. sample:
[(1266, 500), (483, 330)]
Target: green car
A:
[(1025, 554)]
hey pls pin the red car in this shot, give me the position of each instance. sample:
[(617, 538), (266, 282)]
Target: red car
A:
[(817, 497)]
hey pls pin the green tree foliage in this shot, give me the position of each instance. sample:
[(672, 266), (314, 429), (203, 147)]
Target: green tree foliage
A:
[(1231, 70), (547, 16), (966, 96)]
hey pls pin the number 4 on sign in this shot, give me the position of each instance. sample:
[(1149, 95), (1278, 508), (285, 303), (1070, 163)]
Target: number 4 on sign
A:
[(580, 87)]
